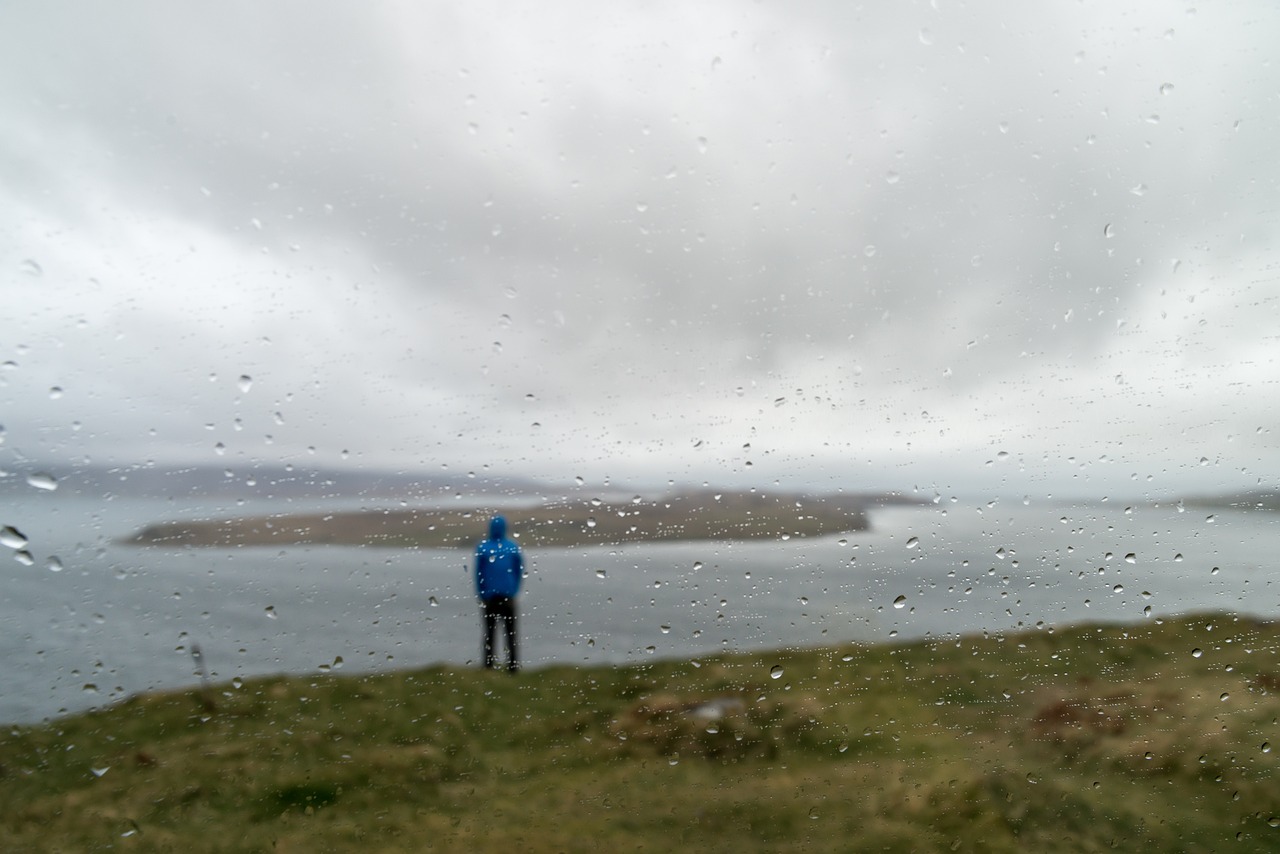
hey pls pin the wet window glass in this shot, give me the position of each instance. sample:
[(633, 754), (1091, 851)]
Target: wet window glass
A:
[(841, 426)]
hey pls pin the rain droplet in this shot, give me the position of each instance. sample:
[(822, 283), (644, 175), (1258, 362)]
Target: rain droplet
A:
[(53, 564), (775, 672), (1119, 588), (900, 602), (55, 392), (24, 557), (913, 542), (892, 177), (12, 537), (600, 573), (245, 382), (31, 268), (1108, 230), (591, 522), (1166, 88), (1225, 696), (433, 601), (271, 612), (1197, 652), (869, 250), (41, 480), (98, 772), (642, 206), (1131, 558), (697, 565), (926, 37), (665, 629)]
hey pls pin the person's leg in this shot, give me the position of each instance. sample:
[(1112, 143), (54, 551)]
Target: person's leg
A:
[(513, 660), (487, 613)]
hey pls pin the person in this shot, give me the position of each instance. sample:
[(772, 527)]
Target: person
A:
[(499, 571)]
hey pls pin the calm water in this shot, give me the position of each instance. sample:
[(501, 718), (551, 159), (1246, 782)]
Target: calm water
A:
[(89, 622)]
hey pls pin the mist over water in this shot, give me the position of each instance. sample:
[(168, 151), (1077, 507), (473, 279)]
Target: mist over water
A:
[(104, 621)]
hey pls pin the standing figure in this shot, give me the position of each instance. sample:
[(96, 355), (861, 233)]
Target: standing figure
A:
[(499, 571)]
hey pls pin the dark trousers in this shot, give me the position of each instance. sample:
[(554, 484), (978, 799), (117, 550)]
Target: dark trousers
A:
[(492, 610)]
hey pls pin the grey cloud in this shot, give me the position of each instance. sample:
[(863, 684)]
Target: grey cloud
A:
[(468, 221)]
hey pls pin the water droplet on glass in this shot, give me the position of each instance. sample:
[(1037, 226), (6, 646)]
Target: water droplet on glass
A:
[(900, 602), (1119, 588), (1108, 230), (98, 772), (775, 672), (665, 629), (926, 37), (55, 392), (892, 177), (1224, 697), (697, 565), (24, 557), (12, 537), (1197, 652), (433, 601), (702, 145), (244, 383), (600, 573), (869, 250), (270, 611), (42, 480), (1166, 88), (1131, 558), (53, 564), (1213, 571), (31, 268), (591, 522), (913, 542), (642, 206)]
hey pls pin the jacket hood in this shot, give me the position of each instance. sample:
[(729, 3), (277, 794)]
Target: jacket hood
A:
[(497, 528)]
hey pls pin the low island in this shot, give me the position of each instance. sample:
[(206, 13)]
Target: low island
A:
[(700, 515)]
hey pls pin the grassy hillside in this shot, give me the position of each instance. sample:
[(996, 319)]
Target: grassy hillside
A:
[(1155, 735)]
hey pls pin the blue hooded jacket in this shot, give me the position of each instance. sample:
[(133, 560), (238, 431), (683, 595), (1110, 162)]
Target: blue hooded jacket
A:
[(499, 567)]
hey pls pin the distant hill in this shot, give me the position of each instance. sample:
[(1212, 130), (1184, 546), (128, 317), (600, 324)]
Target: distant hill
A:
[(1255, 499), (265, 481)]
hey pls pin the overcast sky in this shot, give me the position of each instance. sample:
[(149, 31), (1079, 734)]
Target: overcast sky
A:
[(1019, 247)]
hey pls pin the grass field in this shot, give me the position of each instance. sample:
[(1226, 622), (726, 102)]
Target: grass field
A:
[(1158, 735)]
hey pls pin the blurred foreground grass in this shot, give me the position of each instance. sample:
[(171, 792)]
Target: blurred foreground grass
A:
[(1157, 735)]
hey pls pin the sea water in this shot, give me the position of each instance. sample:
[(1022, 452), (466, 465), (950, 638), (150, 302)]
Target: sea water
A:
[(89, 620)]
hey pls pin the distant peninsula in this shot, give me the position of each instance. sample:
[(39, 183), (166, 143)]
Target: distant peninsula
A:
[(687, 516)]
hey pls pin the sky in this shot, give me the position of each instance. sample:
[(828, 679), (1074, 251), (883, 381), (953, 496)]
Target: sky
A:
[(1000, 247)]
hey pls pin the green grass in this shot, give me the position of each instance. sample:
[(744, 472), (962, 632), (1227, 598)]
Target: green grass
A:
[(1076, 740)]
